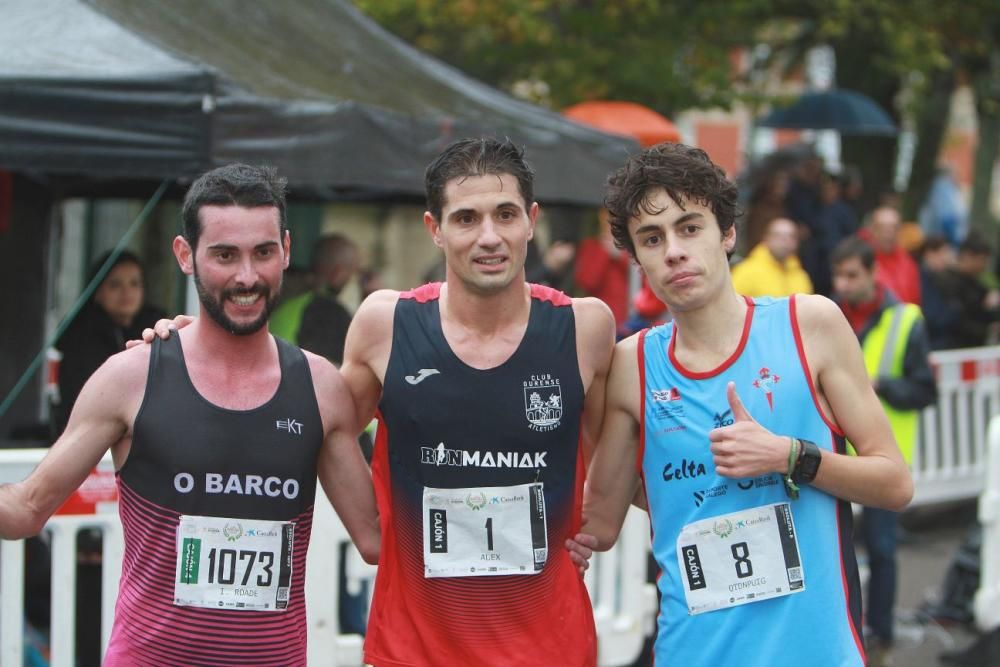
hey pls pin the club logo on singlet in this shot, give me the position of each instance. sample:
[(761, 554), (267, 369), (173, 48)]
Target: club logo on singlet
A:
[(766, 382), (543, 404)]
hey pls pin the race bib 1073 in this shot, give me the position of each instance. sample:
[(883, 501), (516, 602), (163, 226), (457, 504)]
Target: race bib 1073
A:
[(235, 564)]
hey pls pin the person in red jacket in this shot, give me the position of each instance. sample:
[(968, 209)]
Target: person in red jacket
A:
[(602, 270), (894, 267)]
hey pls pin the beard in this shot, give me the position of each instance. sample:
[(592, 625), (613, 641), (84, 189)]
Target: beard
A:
[(213, 306)]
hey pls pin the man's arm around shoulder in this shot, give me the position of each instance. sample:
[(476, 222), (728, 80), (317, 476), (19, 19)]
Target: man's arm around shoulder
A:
[(102, 417), (341, 469), (613, 477)]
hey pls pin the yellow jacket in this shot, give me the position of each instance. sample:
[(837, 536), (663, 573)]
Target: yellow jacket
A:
[(760, 274)]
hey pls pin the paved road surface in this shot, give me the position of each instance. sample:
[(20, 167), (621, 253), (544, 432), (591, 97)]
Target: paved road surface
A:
[(931, 540)]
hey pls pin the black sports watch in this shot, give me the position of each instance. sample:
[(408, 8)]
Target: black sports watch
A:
[(808, 462)]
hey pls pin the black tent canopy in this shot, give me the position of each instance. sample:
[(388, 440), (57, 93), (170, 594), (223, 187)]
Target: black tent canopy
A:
[(119, 90)]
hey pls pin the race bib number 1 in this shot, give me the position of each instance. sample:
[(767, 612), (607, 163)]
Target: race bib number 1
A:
[(739, 558), (235, 564), (484, 531)]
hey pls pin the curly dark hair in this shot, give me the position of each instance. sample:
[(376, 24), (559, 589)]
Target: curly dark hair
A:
[(684, 172)]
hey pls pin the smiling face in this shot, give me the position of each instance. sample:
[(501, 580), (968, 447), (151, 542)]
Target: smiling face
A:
[(682, 252), (484, 231), (238, 265)]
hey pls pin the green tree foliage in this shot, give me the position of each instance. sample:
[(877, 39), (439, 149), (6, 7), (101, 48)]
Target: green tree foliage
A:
[(667, 55), (673, 55)]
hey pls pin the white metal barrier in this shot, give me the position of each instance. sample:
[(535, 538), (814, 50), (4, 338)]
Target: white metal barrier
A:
[(948, 462), (624, 603), (987, 601)]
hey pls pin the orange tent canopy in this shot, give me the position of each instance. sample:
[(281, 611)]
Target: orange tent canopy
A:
[(628, 118)]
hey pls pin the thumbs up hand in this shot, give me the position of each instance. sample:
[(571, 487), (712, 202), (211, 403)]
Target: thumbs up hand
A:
[(745, 448)]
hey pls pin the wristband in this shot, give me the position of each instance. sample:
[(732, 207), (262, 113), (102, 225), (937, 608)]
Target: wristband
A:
[(794, 452)]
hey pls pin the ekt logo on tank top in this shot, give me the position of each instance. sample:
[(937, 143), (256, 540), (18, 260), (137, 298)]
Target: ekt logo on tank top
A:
[(543, 404)]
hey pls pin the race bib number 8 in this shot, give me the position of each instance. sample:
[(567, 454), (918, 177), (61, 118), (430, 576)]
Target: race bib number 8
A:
[(235, 564), (739, 558), (484, 531)]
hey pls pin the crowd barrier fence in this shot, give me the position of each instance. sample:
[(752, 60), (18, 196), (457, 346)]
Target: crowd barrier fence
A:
[(986, 605), (950, 463)]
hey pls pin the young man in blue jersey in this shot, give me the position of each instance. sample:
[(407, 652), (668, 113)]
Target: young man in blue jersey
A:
[(733, 419)]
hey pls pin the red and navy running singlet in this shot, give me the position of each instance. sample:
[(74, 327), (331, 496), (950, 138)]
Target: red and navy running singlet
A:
[(447, 432), (231, 469)]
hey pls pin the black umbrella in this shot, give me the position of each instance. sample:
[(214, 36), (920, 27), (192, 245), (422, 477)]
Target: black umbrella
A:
[(845, 111)]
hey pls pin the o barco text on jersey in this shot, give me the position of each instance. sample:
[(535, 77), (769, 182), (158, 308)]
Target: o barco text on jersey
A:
[(241, 485)]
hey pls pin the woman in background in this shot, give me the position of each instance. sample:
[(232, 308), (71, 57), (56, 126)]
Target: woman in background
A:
[(116, 312)]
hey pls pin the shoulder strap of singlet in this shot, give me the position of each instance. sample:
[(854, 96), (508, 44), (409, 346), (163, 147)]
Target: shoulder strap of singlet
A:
[(641, 358)]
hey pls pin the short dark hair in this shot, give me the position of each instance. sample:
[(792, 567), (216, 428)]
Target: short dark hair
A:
[(233, 185), (851, 247), (684, 172), (477, 157), (932, 243), (123, 257), (975, 243)]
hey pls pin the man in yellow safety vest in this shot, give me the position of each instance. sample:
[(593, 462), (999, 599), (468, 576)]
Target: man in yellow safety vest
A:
[(895, 347)]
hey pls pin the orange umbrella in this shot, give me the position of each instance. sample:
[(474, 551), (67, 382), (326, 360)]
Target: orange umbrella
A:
[(627, 118)]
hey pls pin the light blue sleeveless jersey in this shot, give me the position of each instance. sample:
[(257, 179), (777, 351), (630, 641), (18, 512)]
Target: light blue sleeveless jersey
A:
[(818, 626)]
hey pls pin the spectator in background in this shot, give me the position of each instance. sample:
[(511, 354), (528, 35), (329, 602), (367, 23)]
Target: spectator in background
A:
[(766, 203), (944, 211), (551, 267), (852, 188), (837, 217), (804, 205), (894, 267), (117, 312), (895, 348), (940, 306), (772, 267), (316, 321), (602, 270), (979, 304)]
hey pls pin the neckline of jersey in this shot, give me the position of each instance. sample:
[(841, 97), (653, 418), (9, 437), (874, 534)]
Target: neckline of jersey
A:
[(703, 375)]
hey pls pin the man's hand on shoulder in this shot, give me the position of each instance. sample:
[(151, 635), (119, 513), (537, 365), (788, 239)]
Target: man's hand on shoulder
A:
[(162, 329)]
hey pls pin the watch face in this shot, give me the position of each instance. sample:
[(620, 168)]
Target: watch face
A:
[(809, 462)]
